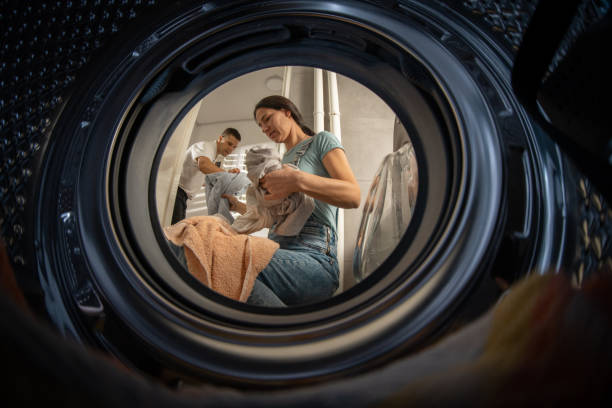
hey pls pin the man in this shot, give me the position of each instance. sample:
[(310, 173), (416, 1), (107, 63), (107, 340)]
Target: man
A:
[(200, 159)]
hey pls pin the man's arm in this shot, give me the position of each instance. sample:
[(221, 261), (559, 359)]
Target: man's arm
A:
[(235, 204), (206, 165)]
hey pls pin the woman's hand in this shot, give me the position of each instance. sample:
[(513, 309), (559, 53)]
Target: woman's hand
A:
[(234, 204), (340, 189), (280, 183)]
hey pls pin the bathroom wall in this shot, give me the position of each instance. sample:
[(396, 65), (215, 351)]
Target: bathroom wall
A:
[(367, 135)]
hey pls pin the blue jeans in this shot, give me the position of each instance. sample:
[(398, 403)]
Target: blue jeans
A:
[(303, 270)]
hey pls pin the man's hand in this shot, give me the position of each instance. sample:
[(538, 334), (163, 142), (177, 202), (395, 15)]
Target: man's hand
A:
[(234, 170)]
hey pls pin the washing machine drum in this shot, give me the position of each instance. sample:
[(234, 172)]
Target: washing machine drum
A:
[(472, 196)]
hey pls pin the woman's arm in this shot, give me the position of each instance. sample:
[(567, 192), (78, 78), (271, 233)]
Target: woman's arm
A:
[(340, 190)]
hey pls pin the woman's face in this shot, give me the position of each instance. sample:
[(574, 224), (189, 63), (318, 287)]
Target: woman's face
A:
[(276, 124)]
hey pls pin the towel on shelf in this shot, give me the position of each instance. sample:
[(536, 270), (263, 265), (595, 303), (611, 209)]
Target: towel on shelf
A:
[(289, 214), (220, 183), (219, 257)]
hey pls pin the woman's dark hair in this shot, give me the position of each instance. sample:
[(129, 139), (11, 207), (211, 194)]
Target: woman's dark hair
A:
[(279, 102)]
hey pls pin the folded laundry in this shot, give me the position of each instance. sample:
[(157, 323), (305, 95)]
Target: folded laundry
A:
[(287, 215), (219, 257)]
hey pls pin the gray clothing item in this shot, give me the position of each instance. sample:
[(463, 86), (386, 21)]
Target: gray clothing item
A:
[(288, 215), (220, 183)]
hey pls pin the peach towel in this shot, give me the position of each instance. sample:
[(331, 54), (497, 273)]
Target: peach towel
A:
[(219, 257)]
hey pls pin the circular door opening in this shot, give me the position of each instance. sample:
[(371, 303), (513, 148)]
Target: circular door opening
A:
[(376, 144), (120, 283)]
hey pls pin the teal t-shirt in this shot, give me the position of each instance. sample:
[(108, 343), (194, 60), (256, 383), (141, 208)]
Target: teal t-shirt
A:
[(312, 162)]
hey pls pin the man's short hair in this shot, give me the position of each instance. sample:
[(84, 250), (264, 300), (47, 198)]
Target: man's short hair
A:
[(232, 132)]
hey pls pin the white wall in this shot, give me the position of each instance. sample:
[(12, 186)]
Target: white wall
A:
[(367, 136), (302, 93)]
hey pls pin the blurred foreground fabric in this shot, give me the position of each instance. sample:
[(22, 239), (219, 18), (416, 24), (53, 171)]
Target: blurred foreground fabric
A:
[(549, 344), (545, 343)]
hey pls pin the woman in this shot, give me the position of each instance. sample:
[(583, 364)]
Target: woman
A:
[(305, 268)]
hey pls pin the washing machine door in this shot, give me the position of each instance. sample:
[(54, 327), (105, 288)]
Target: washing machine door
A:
[(479, 197)]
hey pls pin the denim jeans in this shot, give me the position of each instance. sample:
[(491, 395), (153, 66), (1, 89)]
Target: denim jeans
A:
[(303, 270), (180, 206)]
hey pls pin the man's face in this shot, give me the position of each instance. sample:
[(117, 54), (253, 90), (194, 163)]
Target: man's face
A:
[(228, 144)]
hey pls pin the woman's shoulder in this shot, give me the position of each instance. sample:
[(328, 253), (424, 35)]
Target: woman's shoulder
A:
[(326, 141), (323, 134)]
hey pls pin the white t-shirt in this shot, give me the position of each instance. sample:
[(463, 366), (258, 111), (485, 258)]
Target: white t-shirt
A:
[(191, 177)]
